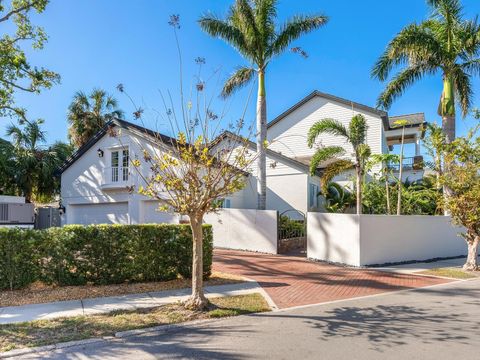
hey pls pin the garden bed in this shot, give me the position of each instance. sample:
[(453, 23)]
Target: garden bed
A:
[(39, 293), (46, 332)]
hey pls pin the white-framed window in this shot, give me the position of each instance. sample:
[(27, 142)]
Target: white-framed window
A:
[(313, 191), (226, 204), (119, 165)]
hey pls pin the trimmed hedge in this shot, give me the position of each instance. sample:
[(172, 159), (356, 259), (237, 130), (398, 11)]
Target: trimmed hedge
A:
[(99, 254)]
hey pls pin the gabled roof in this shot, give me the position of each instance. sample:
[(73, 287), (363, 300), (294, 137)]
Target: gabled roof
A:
[(383, 115), (134, 128), (271, 153)]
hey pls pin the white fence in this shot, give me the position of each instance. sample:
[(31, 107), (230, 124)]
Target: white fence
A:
[(245, 229), (379, 239)]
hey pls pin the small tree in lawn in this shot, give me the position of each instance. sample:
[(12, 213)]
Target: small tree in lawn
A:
[(355, 135), (463, 179), (189, 173)]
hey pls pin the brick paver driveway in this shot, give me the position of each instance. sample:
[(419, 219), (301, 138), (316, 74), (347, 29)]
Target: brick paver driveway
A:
[(292, 281)]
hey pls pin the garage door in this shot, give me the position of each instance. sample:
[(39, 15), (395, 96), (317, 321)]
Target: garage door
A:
[(151, 214), (111, 213)]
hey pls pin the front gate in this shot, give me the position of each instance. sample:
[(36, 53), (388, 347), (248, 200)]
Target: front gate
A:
[(292, 233)]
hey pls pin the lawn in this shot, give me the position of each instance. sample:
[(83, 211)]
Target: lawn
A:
[(45, 332), (39, 293), (454, 273)]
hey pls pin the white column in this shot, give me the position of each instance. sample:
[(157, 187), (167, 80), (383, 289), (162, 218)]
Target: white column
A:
[(417, 146)]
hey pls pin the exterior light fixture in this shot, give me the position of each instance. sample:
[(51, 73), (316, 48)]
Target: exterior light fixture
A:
[(100, 153), (61, 209)]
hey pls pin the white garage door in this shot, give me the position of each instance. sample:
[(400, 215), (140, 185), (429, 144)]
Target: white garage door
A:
[(151, 214), (111, 213)]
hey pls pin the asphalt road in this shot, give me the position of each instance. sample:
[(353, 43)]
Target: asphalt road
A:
[(441, 322)]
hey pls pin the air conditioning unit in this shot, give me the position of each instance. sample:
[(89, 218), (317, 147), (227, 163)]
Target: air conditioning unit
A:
[(13, 213)]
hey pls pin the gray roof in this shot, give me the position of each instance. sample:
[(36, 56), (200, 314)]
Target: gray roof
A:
[(383, 115), (416, 119)]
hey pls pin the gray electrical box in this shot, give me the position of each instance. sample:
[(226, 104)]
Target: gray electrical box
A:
[(16, 213)]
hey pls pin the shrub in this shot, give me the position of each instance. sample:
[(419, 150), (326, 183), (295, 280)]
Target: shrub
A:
[(98, 254)]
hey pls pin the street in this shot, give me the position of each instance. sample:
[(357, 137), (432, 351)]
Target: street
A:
[(438, 322)]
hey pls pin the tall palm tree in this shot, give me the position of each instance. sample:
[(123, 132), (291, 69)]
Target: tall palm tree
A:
[(251, 28), (445, 43), (355, 135), (87, 114)]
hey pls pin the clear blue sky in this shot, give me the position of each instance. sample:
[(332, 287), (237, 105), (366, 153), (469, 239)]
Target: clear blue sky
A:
[(103, 43)]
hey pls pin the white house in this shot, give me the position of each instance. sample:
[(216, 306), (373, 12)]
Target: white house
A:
[(98, 183)]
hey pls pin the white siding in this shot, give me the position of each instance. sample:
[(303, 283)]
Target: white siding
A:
[(289, 135)]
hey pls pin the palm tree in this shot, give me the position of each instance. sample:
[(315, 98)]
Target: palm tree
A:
[(446, 44), (88, 114), (34, 163), (385, 160), (354, 135), (252, 30)]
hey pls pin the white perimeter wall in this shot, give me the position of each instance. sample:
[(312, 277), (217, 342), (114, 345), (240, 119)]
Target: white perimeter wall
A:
[(244, 229), (333, 237), (379, 239)]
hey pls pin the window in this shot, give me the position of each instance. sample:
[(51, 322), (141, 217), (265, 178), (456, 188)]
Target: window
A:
[(313, 191), (115, 166), (125, 161), (120, 162), (225, 204)]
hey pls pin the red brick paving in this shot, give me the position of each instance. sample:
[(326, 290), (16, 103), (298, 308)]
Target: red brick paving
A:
[(293, 281)]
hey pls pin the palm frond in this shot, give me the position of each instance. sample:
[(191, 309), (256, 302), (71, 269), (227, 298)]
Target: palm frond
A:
[(326, 126), (293, 29), (334, 169), (265, 16), (463, 88), (357, 130), (242, 17), (237, 80), (400, 83), (216, 27), (325, 154), (412, 45)]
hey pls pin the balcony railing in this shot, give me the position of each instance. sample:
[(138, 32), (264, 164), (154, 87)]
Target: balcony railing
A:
[(116, 177), (408, 163)]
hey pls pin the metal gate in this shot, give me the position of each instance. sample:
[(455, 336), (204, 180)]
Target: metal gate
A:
[(47, 217), (292, 233)]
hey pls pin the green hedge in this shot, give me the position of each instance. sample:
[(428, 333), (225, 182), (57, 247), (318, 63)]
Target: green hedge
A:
[(98, 254)]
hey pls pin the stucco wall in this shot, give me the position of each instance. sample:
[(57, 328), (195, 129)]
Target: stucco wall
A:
[(385, 239), (244, 229), (378, 239), (333, 237)]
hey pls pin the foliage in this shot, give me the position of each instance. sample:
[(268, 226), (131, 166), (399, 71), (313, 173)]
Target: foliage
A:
[(338, 199), (463, 179), (88, 114), (418, 198), (103, 254), (290, 228), (355, 136), (7, 164), (251, 28), (444, 43), (33, 166), (17, 74)]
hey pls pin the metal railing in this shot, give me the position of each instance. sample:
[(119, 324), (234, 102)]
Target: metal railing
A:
[(408, 163)]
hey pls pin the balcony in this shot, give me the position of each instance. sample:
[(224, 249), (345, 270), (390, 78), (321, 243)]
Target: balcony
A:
[(414, 163), (118, 177)]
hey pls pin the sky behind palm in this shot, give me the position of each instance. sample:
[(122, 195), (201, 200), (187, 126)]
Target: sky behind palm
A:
[(103, 43)]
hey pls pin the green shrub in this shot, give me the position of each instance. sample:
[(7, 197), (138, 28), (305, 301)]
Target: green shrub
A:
[(98, 254)]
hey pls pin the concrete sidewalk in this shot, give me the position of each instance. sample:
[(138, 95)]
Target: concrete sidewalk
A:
[(15, 314)]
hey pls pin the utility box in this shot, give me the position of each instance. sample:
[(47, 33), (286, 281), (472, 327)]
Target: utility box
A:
[(17, 214)]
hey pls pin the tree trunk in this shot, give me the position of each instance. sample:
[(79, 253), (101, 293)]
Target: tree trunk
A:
[(358, 171), (471, 264), (197, 300), (400, 175), (448, 124), (261, 142)]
